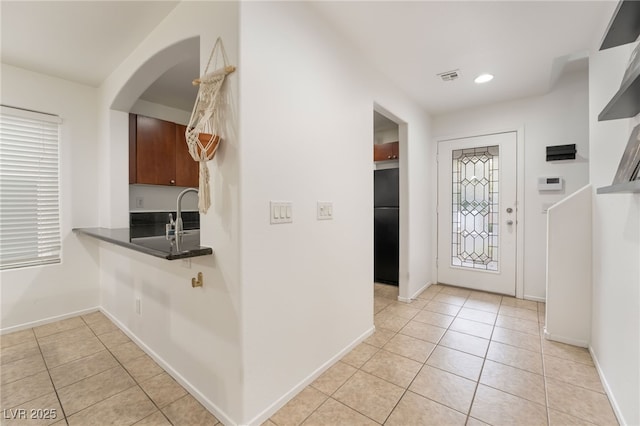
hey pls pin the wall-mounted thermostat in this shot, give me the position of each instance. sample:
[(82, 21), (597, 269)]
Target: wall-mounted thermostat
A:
[(553, 183)]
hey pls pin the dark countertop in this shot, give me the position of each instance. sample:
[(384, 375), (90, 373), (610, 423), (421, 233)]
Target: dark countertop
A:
[(157, 246)]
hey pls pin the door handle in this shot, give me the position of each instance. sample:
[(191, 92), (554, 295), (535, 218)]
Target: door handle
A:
[(509, 222), (509, 210)]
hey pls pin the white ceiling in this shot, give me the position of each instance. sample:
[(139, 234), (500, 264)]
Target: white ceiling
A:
[(82, 41), (522, 43), (525, 44)]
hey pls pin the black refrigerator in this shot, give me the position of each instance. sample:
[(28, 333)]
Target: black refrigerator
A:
[(386, 228)]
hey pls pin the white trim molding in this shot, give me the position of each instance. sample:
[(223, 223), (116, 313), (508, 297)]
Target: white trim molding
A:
[(47, 320), (280, 402), (607, 389), (415, 295), (209, 405)]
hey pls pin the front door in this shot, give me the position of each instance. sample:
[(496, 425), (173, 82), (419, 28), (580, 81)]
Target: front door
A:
[(477, 227)]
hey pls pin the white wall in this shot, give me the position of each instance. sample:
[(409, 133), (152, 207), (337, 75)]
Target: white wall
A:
[(615, 338), (568, 307), (195, 333), (274, 314), (386, 136), (417, 157), (30, 295), (160, 198), (307, 286), (307, 131), (162, 112), (557, 118)]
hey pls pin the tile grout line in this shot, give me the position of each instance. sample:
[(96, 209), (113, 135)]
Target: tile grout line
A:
[(486, 351), (425, 361), (541, 352), (47, 368), (436, 344), (544, 375), (80, 359), (378, 349), (137, 384), (423, 364), (128, 373), (484, 360), (395, 333), (55, 389), (97, 402)]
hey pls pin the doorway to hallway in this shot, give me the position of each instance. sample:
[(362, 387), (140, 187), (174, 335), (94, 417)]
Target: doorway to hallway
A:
[(386, 200)]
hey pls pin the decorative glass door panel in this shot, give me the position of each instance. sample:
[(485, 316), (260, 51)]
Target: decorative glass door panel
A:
[(475, 174), (477, 199)]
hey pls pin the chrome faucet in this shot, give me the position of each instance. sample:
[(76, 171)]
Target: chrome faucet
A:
[(179, 228)]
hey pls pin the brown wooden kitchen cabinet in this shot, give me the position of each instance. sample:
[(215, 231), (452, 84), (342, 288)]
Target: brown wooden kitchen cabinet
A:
[(385, 151), (158, 153), (187, 170)]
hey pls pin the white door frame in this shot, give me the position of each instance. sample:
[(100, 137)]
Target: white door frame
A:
[(519, 196), (403, 191)]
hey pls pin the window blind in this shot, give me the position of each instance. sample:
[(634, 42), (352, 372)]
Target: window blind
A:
[(29, 188)]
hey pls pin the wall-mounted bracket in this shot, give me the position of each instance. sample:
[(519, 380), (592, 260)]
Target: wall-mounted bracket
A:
[(197, 283)]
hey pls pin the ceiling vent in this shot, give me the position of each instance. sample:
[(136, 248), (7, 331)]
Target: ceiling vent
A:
[(449, 75)]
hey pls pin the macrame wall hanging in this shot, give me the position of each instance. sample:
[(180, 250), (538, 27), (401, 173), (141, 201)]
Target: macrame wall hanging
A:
[(205, 131)]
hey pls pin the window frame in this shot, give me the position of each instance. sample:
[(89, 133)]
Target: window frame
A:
[(47, 213)]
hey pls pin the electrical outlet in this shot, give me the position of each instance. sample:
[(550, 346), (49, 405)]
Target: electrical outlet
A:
[(186, 263), (139, 202), (138, 306)]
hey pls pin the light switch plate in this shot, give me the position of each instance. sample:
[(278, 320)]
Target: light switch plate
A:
[(324, 210), (280, 212)]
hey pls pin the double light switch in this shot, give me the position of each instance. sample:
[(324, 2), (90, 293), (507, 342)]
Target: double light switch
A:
[(325, 210), (282, 211)]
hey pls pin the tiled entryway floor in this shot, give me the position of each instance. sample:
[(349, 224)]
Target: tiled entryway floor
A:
[(85, 371), (452, 356), (455, 357)]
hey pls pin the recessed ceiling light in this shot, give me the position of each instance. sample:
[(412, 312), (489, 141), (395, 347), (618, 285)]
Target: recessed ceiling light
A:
[(483, 78)]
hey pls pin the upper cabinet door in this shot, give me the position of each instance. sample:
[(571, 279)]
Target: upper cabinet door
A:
[(385, 151), (155, 151), (187, 169)]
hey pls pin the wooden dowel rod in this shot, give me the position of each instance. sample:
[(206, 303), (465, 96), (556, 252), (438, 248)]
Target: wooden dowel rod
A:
[(228, 70)]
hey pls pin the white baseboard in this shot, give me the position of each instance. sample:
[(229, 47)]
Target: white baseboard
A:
[(607, 389), (213, 408), (564, 339), (280, 402), (209, 405), (46, 320), (416, 294), (535, 298)]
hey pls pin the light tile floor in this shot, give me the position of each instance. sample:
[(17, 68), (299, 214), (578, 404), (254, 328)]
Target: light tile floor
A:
[(85, 371), (454, 357)]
